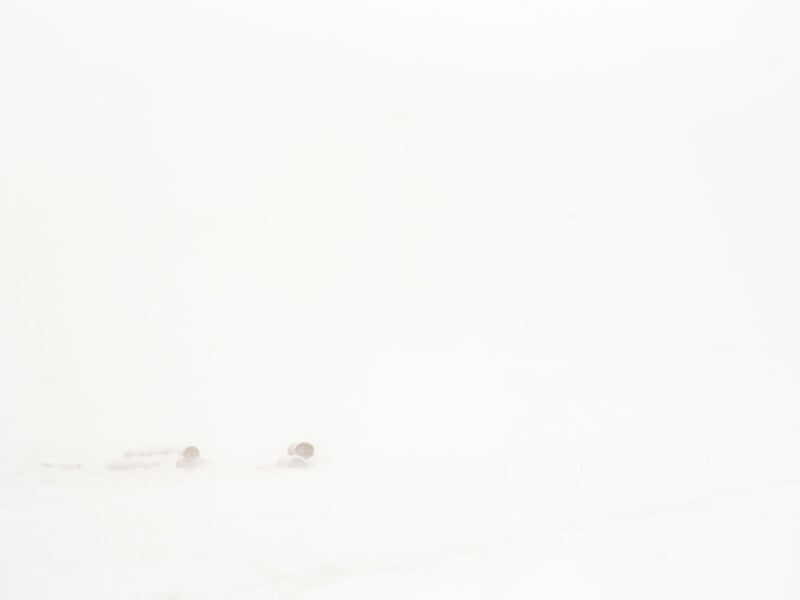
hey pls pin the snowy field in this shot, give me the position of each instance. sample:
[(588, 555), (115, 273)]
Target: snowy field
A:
[(470, 529), (526, 273)]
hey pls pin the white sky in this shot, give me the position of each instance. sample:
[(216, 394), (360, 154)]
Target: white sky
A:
[(558, 226)]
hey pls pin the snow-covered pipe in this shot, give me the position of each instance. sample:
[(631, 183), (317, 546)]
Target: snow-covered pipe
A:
[(301, 449), (189, 458)]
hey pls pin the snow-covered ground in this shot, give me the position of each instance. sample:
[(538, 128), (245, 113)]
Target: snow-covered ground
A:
[(527, 274), (437, 528)]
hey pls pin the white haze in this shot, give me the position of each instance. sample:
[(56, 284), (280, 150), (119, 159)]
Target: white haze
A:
[(514, 249)]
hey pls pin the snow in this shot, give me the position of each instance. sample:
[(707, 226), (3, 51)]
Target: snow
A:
[(524, 273), (437, 528)]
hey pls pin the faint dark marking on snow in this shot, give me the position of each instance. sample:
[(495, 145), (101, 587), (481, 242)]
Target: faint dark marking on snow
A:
[(64, 466), (147, 452)]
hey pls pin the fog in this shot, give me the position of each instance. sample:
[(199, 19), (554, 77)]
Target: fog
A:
[(531, 244)]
